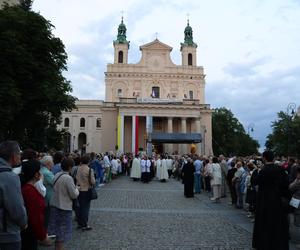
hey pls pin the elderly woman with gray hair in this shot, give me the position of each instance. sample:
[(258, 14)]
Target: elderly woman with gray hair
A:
[(47, 163)]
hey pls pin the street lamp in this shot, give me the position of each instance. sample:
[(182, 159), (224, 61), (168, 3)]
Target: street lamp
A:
[(290, 109), (250, 128)]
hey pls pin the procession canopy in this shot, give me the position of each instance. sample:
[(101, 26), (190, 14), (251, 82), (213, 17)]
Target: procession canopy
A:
[(157, 137)]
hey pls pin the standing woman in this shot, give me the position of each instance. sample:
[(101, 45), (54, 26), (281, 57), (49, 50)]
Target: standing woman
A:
[(207, 177), (188, 178), (85, 178), (60, 222), (35, 207), (47, 163), (216, 181)]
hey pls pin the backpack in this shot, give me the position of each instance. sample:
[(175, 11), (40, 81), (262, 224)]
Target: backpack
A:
[(243, 182), (3, 223)]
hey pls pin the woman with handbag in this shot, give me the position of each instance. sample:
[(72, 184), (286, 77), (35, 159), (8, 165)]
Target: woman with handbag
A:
[(85, 180), (60, 221)]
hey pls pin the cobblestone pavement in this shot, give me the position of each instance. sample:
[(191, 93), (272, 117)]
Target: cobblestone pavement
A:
[(137, 216)]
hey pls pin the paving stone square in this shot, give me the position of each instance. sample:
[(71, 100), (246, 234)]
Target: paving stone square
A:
[(131, 215)]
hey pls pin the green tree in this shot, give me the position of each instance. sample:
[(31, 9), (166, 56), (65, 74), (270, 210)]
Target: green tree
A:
[(33, 90), (285, 137), (229, 136)]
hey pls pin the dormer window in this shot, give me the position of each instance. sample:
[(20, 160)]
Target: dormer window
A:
[(120, 57), (190, 59)]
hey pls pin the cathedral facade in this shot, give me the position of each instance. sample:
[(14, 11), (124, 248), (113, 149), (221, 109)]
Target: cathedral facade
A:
[(151, 106)]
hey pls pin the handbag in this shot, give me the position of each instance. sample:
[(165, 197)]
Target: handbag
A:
[(92, 191), (294, 202)]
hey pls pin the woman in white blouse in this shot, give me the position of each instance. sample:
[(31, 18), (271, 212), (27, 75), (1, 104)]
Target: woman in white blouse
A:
[(216, 179)]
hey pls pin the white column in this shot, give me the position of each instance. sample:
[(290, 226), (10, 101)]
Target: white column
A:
[(183, 130), (122, 134), (170, 130), (198, 130), (133, 136), (203, 128), (149, 128), (89, 137)]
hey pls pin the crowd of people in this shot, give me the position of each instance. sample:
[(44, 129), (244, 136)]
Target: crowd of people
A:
[(263, 186), (40, 193)]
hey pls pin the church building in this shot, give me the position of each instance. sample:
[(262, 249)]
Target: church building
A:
[(151, 106)]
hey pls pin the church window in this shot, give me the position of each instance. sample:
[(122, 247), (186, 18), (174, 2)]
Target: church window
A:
[(190, 59), (155, 92), (67, 122), (191, 94), (82, 122), (119, 92), (120, 57), (98, 123)]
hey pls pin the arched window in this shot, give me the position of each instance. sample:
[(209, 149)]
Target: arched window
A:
[(82, 122), (119, 92), (82, 142), (67, 122), (190, 59), (191, 94), (98, 123), (120, 57)]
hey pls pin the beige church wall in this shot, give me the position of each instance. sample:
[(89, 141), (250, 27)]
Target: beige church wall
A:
[(121, 47), (142, 132), (207, 133), (127, 134), (184, 55), (109, 128), (168, 88)]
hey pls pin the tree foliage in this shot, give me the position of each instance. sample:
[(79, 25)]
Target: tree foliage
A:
[(229, 136), (285, 137), (33, 90)]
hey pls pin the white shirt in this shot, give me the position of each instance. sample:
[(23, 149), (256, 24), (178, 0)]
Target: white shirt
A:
[(143, 166), (106, 162)]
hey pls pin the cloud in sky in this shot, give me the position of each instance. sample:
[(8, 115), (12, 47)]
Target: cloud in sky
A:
[(249, 49)]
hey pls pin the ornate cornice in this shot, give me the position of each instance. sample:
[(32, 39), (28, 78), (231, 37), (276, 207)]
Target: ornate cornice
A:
[(188, 76)]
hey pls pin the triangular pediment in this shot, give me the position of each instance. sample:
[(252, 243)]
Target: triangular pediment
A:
[(156, 45)]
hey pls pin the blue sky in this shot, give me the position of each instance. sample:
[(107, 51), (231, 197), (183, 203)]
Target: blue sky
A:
[(250, 49)]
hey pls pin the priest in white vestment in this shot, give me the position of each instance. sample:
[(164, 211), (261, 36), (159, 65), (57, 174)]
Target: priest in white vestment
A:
[(158, 166), (136, 168), (163, 171)]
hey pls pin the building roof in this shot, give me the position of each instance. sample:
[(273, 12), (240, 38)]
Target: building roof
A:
[(156, 44)]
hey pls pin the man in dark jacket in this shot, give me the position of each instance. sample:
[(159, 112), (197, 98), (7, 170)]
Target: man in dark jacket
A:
[(12, 211), (271, 221)]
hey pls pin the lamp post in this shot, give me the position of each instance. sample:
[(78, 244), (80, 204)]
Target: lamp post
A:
[(250, 128), (291, 108), (290, 111)]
